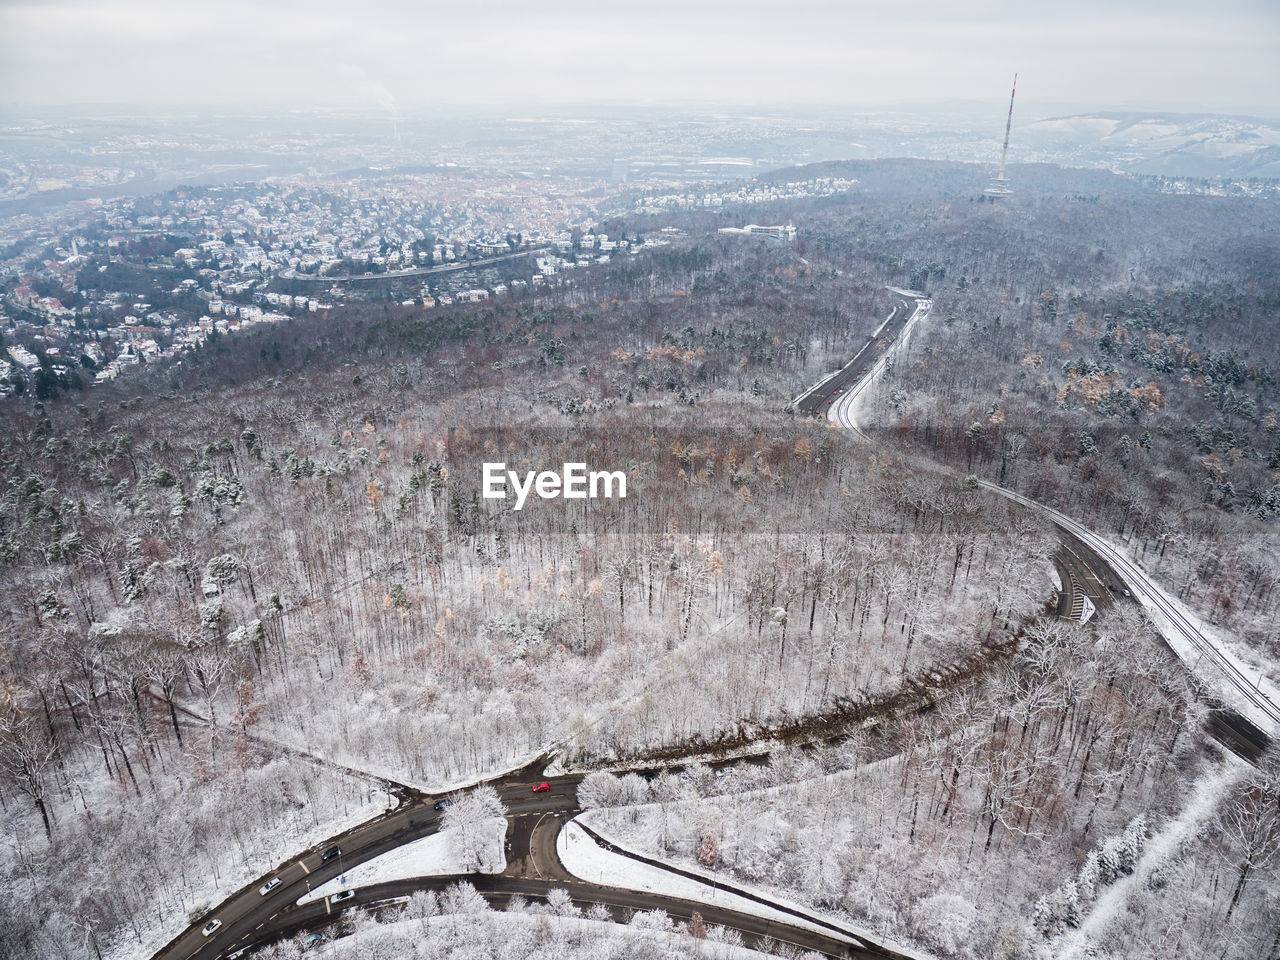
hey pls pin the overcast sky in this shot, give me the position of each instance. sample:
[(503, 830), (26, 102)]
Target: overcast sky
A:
[(1221, 56)]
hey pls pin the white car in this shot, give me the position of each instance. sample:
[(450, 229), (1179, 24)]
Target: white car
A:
[(269, 886), (343, 896), (211, 927)]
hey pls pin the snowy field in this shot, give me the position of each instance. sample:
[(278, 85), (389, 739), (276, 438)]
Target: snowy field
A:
[(586, 859), (433, 856)]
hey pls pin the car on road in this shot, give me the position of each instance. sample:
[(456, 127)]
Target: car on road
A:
[(330, 854), (442, 803), (269, 886), (541, 787), (342, 897), (211, 927)]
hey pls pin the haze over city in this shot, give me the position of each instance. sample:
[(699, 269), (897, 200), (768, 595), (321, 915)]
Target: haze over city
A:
[(386, 57)]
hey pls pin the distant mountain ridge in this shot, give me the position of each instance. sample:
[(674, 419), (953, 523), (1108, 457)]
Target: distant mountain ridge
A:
[(1164, 143)]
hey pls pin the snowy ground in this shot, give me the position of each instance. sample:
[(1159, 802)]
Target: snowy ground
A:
[(432, 856), (584, 858), (288, 742), (1182, 635), (1208, 792), (235, 874), (568, 938)]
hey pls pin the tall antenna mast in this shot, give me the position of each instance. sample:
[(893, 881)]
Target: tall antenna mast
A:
[(1000, 185)]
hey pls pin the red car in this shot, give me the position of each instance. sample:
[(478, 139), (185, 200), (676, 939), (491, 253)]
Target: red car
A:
[(541, 787)]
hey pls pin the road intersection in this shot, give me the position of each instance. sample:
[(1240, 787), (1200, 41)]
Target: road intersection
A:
[(1087, 568)]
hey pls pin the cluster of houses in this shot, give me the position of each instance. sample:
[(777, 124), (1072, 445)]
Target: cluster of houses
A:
[(209, 255), (753, 192)]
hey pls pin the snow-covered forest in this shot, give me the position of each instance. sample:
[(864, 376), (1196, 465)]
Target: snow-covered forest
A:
[(997, 825), (224, 582)]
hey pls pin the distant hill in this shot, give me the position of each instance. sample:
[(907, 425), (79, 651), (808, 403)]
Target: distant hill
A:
[(1198, 145)]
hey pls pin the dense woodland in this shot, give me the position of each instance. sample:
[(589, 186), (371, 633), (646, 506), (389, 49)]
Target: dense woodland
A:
[(996, 825), (279, 548), (1117, 358)]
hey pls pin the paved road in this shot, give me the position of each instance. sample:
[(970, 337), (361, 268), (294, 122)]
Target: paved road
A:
[(826, 394), (1093, 567), (1089, 568), (1246, 694), (245, 914), (533, 869), (1084, 576), (621, 903)]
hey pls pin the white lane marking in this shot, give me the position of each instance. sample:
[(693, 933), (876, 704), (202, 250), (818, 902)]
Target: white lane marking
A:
[(303, 866), (532, 859), (836, 373), (1088, 569)]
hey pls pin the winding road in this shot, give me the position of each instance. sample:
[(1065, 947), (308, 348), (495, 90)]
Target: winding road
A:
[(1089, 566), (250, 919), (1091, 570)]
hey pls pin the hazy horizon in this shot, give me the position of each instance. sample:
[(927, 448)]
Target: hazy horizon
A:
[(396, 59)]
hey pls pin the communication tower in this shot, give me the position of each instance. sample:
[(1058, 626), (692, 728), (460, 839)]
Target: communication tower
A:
[(999, 187)]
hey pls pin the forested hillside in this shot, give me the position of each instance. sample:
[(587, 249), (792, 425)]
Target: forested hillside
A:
[(279, 549)]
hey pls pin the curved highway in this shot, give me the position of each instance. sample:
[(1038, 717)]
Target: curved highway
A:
[(1246, 691), (250, 918), (1093, 567), (1086, 564)]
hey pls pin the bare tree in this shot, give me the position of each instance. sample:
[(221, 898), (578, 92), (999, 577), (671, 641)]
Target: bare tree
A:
[(28, 755), (1252, 824)]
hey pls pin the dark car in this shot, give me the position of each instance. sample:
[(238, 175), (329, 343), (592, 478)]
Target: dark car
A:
[(441, 804), (330, 854)]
